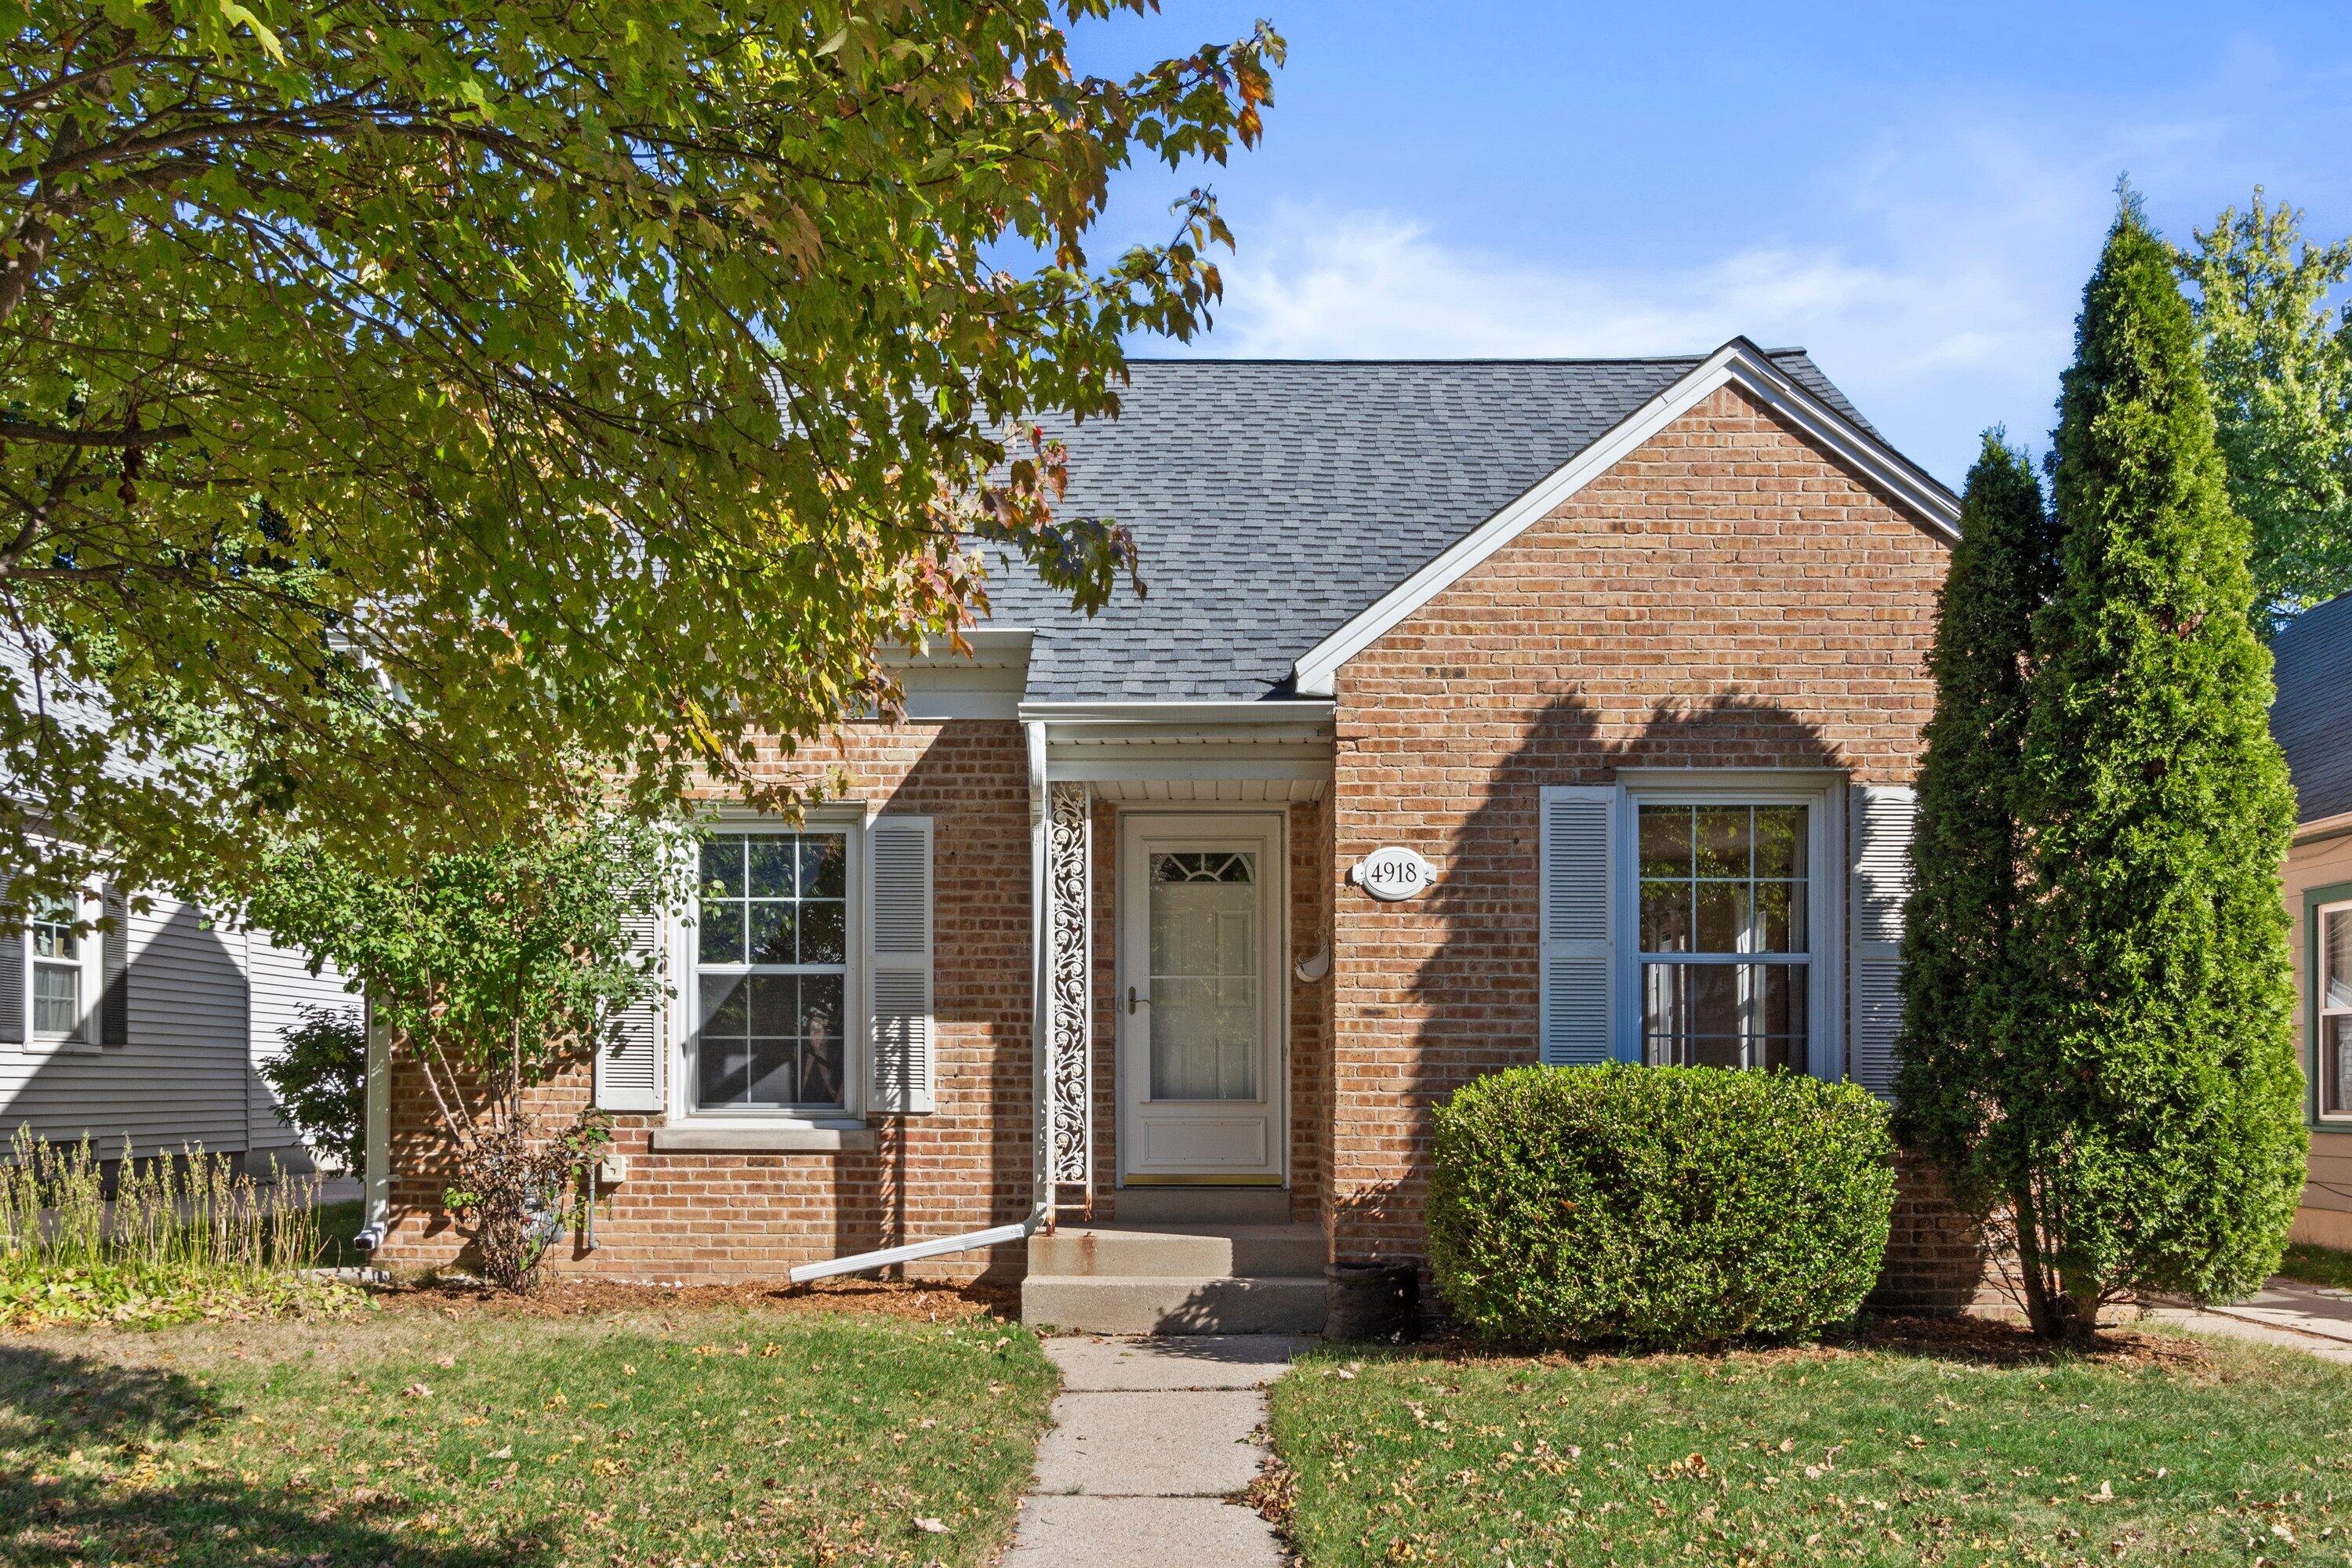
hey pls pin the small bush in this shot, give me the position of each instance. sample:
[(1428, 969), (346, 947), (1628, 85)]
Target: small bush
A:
[(1657, 1207), (321, 1082)]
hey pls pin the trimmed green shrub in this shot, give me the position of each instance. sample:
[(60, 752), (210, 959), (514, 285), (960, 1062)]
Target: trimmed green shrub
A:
[(2152, 1137), (1657, 1207)]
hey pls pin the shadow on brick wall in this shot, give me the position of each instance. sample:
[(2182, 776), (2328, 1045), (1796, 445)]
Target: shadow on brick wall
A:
[(1472, 1004)]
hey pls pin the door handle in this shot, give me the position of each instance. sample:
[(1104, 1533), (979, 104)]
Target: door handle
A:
[(1133, 1001)]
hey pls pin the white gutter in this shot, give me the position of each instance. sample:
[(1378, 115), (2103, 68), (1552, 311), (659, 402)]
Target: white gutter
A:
[(1282, 711), (1040, 1212)]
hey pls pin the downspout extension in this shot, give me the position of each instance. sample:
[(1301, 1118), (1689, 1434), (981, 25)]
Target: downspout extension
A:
[(866, 1262)]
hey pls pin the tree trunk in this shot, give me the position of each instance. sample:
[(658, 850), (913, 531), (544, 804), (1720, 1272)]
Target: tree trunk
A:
[(2042, 1313), (2083, 1300)]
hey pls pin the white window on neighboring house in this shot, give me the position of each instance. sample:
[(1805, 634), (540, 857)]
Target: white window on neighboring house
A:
[(2333, 1019), (57, 965), (1726, 937), (770, 996)]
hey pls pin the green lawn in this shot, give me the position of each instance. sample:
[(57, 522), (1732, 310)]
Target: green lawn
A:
[(427, 1440), (338, 1224), (2236, 1455), (2317, 1266)]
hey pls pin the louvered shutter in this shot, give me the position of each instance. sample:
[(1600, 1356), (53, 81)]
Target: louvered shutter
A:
[(114, 970), (1579, 965), (1882, 817), (629, 1061), (898, 947), (12, 978)]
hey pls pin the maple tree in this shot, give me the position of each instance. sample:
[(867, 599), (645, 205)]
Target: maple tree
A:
[(416, 416)]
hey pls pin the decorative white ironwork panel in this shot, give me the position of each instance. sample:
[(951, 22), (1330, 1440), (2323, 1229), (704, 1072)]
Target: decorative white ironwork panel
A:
[(1069, 886)]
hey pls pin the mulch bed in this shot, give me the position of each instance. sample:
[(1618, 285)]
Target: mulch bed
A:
[(1989, 1341)]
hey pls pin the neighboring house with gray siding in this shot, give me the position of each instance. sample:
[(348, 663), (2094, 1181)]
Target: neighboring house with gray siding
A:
[(152, 1032), (2312, 721)]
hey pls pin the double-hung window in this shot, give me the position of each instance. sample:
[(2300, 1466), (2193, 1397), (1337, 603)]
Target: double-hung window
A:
[(2333, 1013), (770, 987), (1725, 934), (57, 964)]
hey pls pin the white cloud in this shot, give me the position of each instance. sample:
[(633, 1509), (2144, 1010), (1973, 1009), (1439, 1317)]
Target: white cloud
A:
[(1935, 275)]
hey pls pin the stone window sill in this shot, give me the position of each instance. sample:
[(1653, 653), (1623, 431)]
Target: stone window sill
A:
[(705, 1138)]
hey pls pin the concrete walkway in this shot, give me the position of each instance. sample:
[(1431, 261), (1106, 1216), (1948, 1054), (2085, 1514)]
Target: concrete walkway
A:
[(2310, 1318), (1151, 1449)]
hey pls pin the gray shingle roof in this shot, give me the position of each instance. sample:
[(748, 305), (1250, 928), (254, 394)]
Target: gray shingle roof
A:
[(2312, 717), (1272, 501)]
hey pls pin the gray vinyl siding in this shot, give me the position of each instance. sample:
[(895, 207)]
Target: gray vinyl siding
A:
[(206, 1003)]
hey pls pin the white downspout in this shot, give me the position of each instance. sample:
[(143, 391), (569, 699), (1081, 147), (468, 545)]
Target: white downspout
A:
[(1040, 1212), (377, 1166)]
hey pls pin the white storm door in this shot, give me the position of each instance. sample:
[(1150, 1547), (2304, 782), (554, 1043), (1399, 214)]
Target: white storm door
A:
[(1200, 997)]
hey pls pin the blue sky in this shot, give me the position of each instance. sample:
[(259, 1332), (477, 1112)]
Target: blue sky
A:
[(1914, 193)]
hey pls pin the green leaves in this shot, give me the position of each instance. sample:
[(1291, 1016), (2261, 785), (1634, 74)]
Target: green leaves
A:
[(2102, 1018), (1656, 1206), (555, 392), (2278, 358)]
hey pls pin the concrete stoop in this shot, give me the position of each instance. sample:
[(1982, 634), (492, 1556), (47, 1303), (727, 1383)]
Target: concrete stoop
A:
[(1200, 1276)]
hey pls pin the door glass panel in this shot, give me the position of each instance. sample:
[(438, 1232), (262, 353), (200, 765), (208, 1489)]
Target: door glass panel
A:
[(1204, 977)]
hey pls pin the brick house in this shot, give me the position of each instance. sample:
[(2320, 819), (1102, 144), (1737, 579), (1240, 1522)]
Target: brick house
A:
[(1478, 713)]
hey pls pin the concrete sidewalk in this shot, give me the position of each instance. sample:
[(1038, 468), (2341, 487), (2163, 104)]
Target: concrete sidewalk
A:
[(2310, 1318), (1153, 1444)]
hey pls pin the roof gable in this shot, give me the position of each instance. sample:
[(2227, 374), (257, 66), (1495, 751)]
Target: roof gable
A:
[(1738, 363), (1275, 502)]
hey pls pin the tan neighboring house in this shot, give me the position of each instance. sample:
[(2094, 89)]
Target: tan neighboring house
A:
[(2313, 722)]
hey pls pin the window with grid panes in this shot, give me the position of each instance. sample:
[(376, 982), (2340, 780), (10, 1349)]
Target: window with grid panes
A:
[(1724, 915), (772, 973), (2333, 1011)]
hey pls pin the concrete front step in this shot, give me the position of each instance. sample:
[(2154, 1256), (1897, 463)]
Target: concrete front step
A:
[(1146, 1304), (1181, 1251), (1197, 1206)]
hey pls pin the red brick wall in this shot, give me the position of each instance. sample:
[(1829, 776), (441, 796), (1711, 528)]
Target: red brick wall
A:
[(1936, 1258), (1726, 596), (689, 1217)]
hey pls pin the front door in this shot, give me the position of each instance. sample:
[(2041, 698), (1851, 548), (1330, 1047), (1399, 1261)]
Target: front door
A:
[(1201, 998)]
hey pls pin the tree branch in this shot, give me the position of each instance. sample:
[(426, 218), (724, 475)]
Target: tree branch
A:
[(58, 436)]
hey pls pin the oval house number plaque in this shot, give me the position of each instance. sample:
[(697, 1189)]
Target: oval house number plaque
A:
[(1393, 873)]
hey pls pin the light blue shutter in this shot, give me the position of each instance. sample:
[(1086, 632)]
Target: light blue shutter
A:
[(898, 951), (1577, 923), (1882, 819), (629, 1061)]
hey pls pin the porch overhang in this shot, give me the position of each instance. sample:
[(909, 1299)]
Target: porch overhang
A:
[(1239, 754), (1230, 752)]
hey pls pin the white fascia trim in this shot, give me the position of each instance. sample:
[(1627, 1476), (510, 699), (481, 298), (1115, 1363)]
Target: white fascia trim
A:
[(1269, 711), (1738, 361), (2321, 828)]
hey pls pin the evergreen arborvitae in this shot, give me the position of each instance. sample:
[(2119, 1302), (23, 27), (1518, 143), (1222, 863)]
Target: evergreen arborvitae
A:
[(2152, 1131), (1956, 940)]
